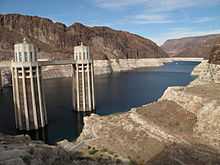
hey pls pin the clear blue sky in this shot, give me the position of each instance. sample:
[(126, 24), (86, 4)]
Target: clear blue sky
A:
[(158, 20)]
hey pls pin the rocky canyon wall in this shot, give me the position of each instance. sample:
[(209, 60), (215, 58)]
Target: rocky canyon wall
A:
[(198, 46), (56, 40)]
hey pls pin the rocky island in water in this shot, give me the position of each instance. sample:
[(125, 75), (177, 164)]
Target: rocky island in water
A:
[(181, 128)]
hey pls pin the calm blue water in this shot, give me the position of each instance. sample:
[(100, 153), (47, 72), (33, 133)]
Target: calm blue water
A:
[(117, 92)]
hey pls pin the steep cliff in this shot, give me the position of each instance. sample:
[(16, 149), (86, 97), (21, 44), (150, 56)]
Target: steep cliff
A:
[(191, 46), (206, 73), (214, 56), (57, 40)]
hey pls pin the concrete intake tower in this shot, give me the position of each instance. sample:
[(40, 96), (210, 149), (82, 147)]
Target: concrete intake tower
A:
[(83, 80), (28, 95)]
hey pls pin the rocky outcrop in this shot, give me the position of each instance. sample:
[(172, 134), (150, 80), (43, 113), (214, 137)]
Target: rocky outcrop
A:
[(214, 57), (201, 98), (152, 134), (203, 101), (184, 121), (206, 73), (56, 40), (21, 150), (191, 46)]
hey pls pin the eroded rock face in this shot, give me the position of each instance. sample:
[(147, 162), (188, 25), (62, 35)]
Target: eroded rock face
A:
[(203, 101), (180, 155), (157, 132), (57, 40), (214, 57), (20, 150), (206, 73), (207, 128)]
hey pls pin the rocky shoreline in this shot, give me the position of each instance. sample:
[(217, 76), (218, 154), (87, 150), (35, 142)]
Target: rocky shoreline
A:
[(102, 67), (182, 127), (110, 66)]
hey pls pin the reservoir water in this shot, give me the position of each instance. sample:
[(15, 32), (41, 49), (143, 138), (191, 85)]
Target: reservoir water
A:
[(117, 92)]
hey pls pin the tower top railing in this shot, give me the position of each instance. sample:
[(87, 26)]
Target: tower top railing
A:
[(25, 52), (82, 53)]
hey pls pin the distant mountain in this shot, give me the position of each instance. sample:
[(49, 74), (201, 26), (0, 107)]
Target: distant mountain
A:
[(191, 46), (56, 40)]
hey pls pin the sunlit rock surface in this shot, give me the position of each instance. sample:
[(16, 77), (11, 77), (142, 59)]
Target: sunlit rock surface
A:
[(20, 150), (146, 134), (207, 73), (182, 127)]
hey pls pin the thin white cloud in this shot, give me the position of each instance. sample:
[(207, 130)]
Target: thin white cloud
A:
[(156, 5), (204, 19), (163, 12), (163, 18), (156, 11), (118, 3), (149, 19), (172, 5)]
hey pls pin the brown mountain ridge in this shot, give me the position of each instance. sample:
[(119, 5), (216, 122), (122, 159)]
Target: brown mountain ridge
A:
[(199, 46), (56, 40)]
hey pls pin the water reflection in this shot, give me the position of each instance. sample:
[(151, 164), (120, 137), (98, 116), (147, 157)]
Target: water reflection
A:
[(42, 133)]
